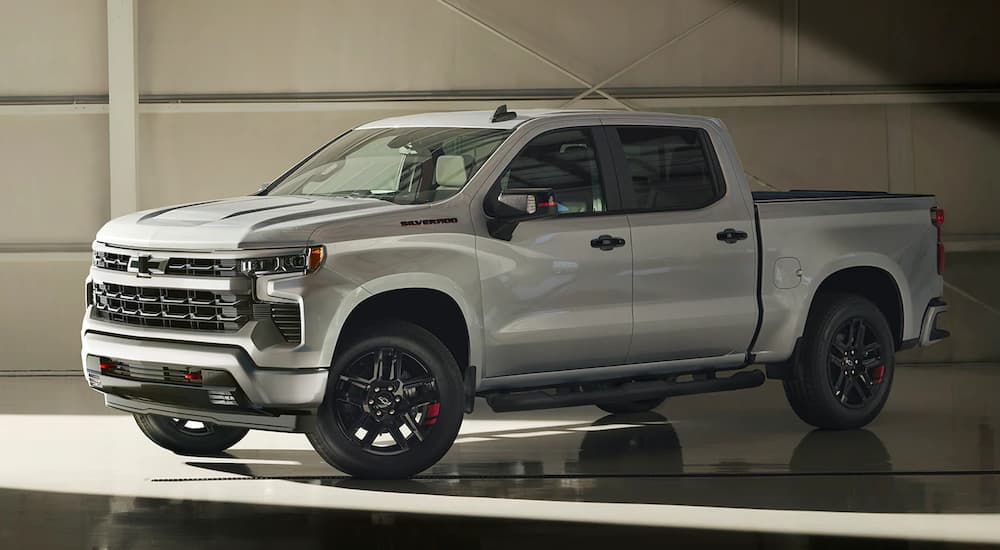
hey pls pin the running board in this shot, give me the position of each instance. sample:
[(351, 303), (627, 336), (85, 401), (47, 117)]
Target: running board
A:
[(629, 391)]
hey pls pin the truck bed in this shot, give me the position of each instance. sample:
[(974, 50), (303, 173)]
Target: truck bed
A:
[(813, 195), (808, 235)]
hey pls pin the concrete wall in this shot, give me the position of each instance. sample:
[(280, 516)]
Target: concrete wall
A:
[(55, 162)]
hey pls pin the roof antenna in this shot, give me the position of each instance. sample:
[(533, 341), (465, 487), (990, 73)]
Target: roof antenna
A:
[(502, 114)]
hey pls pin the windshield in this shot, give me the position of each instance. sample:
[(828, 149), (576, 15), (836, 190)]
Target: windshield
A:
[(401, 165)]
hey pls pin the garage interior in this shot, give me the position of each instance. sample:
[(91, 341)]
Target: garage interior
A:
[(113, 106)]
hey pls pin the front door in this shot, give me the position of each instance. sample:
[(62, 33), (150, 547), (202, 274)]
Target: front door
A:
[(557, 296)]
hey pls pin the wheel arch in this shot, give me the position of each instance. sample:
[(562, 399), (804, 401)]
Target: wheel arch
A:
[(874, 283), (426, 301)]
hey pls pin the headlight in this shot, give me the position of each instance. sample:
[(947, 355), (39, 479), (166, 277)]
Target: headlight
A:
[(306, 261)]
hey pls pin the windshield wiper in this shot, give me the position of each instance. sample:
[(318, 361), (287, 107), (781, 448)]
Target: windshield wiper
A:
[(357, 194)]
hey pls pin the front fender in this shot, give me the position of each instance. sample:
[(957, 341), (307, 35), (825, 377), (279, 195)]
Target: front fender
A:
[(409, 281)]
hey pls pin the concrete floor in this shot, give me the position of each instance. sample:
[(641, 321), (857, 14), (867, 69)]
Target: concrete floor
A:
[(928, 469)]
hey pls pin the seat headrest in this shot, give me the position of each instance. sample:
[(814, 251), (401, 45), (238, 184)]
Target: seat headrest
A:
[(449, 171)]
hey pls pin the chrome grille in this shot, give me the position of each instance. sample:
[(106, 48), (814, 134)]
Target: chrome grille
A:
[(188, 267), (110, 260), (171, 308), (203, 267)]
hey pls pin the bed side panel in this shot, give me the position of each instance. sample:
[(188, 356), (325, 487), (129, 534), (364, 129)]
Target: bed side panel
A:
[(890, 233)]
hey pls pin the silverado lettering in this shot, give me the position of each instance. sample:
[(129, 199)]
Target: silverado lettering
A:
[(428, 222)]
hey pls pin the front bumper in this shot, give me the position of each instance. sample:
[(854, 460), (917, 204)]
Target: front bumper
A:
[(232, 389)]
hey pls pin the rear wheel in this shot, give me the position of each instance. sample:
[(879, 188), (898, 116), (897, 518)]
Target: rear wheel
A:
[(394, 403), (626, 407), (842, 374), (189, 437)]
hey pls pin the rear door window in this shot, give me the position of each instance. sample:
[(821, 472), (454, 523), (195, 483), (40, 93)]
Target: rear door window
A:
[(667, 168)]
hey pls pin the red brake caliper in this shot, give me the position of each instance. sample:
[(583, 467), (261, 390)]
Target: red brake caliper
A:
[(432, 414), (877, 374)]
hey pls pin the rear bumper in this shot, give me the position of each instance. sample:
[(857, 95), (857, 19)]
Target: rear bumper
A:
[(231, 389), (929, 332)]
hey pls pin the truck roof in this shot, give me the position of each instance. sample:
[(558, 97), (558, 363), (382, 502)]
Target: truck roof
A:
[(483, 119)]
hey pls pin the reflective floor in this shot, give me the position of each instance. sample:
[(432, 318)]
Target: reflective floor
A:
[(928, 468)]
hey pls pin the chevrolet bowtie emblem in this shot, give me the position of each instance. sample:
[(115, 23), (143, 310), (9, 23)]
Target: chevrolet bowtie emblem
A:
[(143, 265)]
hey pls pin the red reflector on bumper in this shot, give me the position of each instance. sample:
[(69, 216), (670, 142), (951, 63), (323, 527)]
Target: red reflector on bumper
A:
[(192, 376)]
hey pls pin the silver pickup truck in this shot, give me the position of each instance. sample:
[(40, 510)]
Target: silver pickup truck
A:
[(369, 294)]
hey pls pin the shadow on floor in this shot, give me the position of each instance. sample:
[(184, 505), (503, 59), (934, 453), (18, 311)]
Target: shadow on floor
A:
[(639, 459)]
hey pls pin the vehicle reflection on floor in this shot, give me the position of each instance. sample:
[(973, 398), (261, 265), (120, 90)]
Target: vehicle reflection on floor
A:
[(639, 458)]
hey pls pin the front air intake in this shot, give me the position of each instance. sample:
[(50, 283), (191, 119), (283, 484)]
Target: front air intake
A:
[(288, 319)]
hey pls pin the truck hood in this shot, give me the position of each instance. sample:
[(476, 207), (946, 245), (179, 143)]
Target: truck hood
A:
[(237, 223)]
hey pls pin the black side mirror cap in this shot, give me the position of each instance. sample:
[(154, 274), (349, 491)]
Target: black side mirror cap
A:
[(509, 207)]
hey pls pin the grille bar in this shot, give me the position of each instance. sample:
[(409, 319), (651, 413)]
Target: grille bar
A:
[(200, 310), (152, 373), (187, 267), (110, 260), (171, 308), (203, 267)]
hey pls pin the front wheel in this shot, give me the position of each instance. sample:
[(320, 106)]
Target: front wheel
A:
[(394, 403), (189, 437), (842, 374)]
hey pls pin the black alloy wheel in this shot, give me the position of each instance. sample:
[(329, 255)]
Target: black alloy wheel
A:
[(387, 401), (856, 367), (394, 402)]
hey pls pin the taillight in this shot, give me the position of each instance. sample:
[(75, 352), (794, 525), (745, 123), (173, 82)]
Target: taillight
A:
[(937, 218)]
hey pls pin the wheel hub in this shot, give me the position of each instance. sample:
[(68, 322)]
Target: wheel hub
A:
[(385, 400), (856, 364)]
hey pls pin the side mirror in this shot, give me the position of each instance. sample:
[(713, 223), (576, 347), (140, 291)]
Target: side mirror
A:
[(525, 203), (511, 206)]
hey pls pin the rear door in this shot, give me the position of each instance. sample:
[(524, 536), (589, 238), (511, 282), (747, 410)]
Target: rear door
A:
[(693, 244), (553, 297)]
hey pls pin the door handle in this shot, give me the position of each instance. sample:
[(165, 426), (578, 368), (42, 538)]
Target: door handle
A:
[(607, 242), (730, 235)]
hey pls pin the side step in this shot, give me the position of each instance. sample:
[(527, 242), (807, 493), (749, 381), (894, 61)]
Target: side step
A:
[(629, 391)]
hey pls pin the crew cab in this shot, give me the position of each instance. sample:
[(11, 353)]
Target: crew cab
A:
[(539, 259)]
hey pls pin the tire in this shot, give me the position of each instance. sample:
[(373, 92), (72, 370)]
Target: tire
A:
[(414, 407), (830, 386), (187, 437), (627, 407)]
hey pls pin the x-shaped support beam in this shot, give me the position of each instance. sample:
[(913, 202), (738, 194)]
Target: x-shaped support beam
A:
[(590, 87), (525, 48)]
